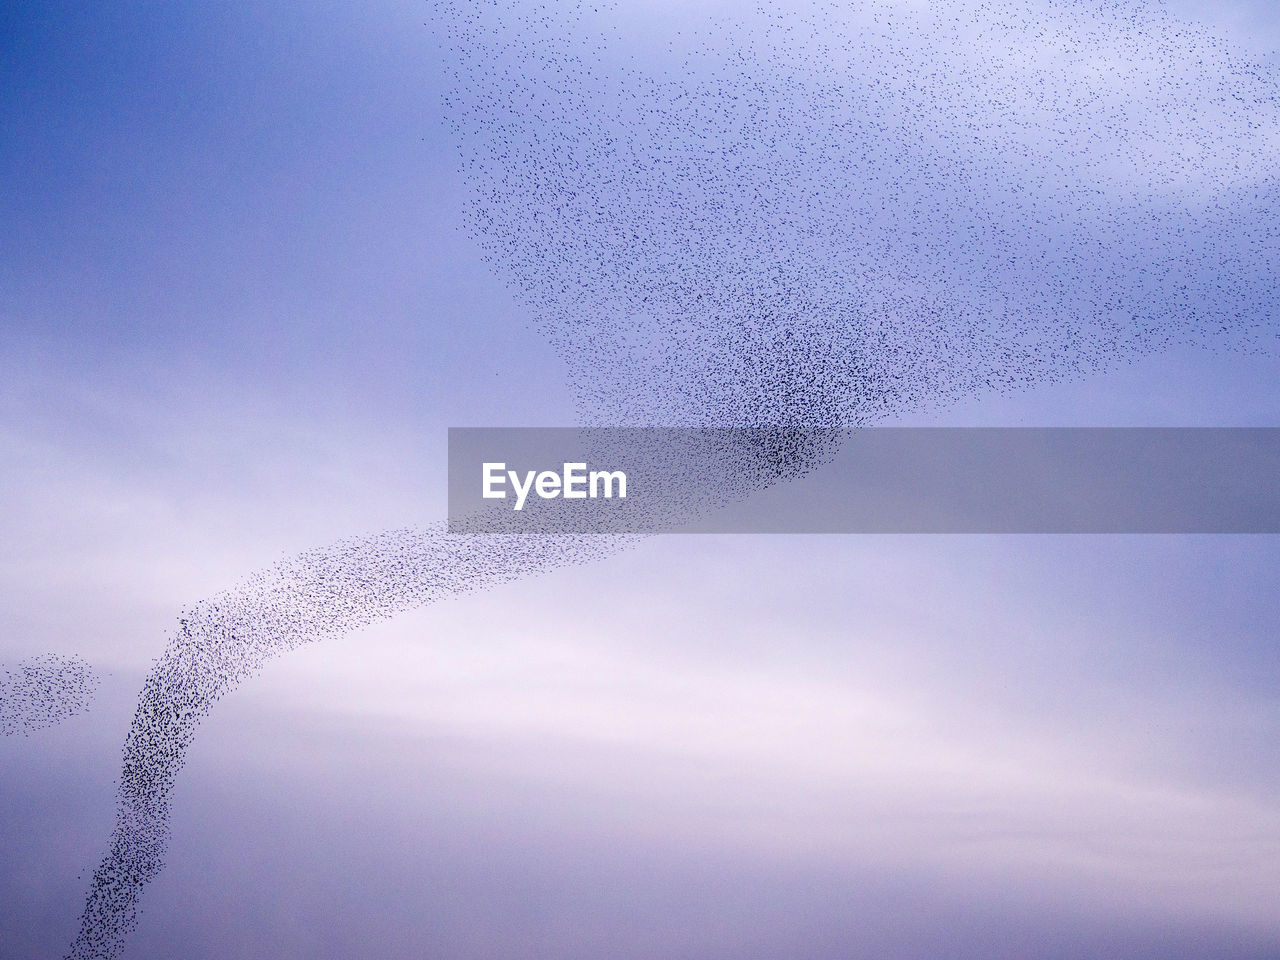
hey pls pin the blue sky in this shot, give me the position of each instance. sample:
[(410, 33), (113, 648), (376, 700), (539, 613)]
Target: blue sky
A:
[(239, 305)]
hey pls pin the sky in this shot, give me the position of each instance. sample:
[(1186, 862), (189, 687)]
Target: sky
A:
[(240, 303)]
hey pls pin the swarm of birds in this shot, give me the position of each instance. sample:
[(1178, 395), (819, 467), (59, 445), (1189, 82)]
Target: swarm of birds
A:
[(826, 214), (43, 692), (799, 220)]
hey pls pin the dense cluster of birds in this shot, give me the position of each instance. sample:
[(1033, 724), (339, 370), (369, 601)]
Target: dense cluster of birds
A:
[(826, 213), (798, 220), (44, 691)]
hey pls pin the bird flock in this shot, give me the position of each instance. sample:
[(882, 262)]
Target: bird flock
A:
[(826, 214), (44, 691), (225, 639), (800, 219)]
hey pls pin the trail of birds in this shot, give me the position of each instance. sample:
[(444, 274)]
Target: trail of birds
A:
[(802, 220), (227, 638), (43, 692)]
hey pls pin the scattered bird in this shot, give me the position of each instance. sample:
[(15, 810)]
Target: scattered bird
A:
[(42, 692), (804, 219)]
